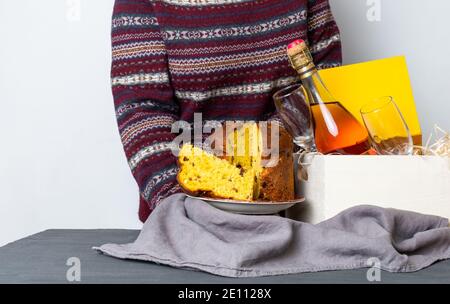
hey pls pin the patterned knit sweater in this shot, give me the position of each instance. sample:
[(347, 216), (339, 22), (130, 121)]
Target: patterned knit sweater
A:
[(221, 58)]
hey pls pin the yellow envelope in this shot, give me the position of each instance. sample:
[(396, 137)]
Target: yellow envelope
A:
[(358, 84)]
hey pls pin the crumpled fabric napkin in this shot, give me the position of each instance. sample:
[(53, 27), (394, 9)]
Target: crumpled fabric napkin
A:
[(188, 233)]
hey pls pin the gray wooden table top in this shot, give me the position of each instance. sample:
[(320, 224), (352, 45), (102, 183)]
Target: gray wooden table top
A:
[(42, 258)]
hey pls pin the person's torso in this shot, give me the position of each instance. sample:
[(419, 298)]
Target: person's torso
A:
[(227, 57)]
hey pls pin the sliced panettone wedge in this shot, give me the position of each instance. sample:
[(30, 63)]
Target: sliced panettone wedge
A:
[(204, 174), (242, 171)]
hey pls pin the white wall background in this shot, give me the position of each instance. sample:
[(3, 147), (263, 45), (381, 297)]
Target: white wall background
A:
[(420, 30), (61, 161)]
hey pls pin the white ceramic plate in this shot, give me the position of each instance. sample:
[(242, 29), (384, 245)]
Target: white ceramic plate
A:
[(253, 208)]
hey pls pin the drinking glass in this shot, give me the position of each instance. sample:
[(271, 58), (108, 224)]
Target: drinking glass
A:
[(387, 127), (292, 106)]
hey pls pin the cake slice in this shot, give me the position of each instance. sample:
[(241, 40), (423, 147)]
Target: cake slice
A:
[(242, 172), (243, 149), (202, 173)]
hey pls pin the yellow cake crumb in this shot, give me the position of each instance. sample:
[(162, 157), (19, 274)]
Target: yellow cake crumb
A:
[(202, 172)]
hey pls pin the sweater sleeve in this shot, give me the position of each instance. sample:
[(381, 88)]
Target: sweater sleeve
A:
[(323, 35), (144, 101)]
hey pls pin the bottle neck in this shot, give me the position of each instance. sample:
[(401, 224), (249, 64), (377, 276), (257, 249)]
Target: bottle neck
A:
[(317, 91)]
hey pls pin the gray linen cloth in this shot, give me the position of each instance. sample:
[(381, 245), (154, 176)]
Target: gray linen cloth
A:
[(188, 233)]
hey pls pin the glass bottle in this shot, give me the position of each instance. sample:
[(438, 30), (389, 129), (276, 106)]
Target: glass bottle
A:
[(336, 130)]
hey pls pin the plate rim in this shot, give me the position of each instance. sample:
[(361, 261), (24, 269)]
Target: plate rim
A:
[(254, 203)]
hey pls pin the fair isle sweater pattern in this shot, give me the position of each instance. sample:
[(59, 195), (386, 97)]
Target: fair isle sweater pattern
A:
[(221, 58)]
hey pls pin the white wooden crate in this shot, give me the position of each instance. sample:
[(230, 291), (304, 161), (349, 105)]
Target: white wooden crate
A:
[(335, 183)]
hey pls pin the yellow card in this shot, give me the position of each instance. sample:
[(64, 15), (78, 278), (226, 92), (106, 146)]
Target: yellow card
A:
[(358, 84)]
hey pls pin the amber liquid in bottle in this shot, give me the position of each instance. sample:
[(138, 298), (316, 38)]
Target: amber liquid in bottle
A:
[(350, 138), (336, 130)]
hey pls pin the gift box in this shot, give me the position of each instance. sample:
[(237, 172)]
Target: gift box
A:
[(335, 183)]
